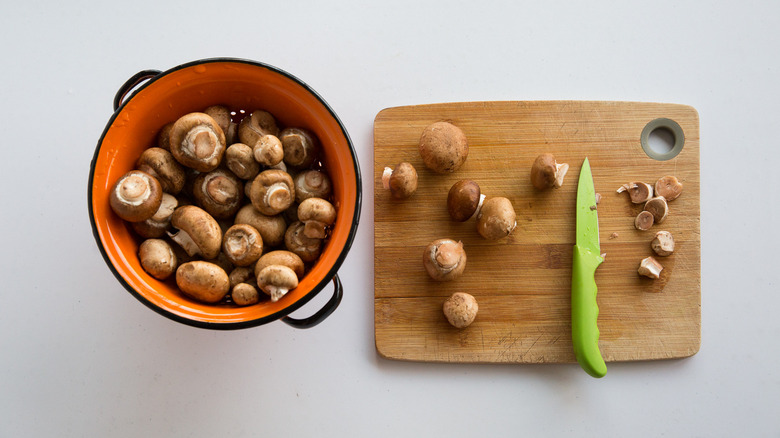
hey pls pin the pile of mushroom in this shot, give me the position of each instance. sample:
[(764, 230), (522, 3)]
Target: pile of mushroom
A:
[(230, 203)]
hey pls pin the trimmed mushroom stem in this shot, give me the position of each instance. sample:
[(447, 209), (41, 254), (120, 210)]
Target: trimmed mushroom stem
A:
[(278, 196), (644, 221), (649, 267), (201, 141), (663, 243), (638, 191)]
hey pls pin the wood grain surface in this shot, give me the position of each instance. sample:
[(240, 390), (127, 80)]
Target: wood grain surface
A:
[(523, 282)]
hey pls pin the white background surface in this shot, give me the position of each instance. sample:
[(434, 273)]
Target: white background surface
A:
[(79, 356)]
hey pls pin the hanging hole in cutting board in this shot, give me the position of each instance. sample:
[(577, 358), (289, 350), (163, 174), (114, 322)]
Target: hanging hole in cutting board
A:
[(662, 139)]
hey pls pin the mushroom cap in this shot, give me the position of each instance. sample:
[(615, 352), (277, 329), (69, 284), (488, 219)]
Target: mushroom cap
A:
[(644, 220), (160, 164), (197, 142), (136, 196), (444, 259), (219, 192), (242, 274), (268, 150), (272, 191), (496, 219), (443, 147), (276, 280), (201, 227), (295, 241), (463, 200), (543, 172), (668, 187), (272, 228), (244, 294), (221, 115), (460, 309), (281, 257), (316, 214), (312, 184), (240, 159), (157, 258), (242, 244), (256, 125), (300, 147), (403, 181), (158, 224), (658, 207), (663, 243), (638, 191), (203, 281)]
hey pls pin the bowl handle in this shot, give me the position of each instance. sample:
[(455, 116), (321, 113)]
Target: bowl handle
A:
[(131, 83), (321, 314)]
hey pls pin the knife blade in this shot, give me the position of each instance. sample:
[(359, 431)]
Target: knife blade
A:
[(586, 258)]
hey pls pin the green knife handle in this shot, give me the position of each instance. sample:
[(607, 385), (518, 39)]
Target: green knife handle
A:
[(585, 312)]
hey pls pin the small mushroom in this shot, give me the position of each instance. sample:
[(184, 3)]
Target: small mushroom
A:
[(668, 187), (276, 281), (272, 228), (136, 196), (157, 258), (242, 244), (496, 219), (198, 232), (444, 259), (649, 267), (268, 150), (281, 257), (219, 192), (638, 191), (158, 224), (256, 125), (402, 182), (312, 184), (663, 243), (272, 192), (197, 142), (203, 281), (460, 309), (242, 274), (160, 164), (316, 214), (221, 115), (464, 200), (164, 137), (244, 294), (547, 173), (443, 147), (658, 207), (300, 147), (307, 248), (644, 220), (240, 159)]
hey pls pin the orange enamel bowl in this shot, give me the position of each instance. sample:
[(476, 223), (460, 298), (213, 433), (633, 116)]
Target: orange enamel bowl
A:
[(162, 97)]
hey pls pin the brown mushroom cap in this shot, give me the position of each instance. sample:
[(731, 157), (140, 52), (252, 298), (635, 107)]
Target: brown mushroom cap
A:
[(272, 192), (444, 259), (197, 142), (199, 232), (219, 192), (443, 147), (402, 182), (242, 244), (312, 184), (244, 294), (463, 200), (644, 220), (203, 281), (638, 191), (496, 219), (136, 196), (668, 187), (157, 258), (658, 207), (164, 137), (242, 274), (547, 173), (281, 257), (272, 228), (300, 147), (317, 214), (268, 150), (160, 164), (460, 309), (276, 281), (295, 241), (256, 125), (158, 224), (221, 115), (240, 159), (663, 243)]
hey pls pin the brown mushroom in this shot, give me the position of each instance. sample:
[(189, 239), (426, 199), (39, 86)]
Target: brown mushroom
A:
[(136, 196), (649, 267), (638, 191), (281, 257), (317, 214), (157, 258), (221, 115), (197, 142), (547, 173), (244, 294), (496, 219), (219, 192), (164, 137), (312, 184), (271, 228), (658, 207), (460, 309), (644, 220), (203, 281), (272, 192), (242, 274), (668, 187), (198, 232), (464, 200), (402, 182), (160, 164), (276, 281), (240, 159), (158, 224), (268, 150), (256, 125), (300, 147), (444, 259), (307, 248), (663, 243), (443, 147), (242, 244)]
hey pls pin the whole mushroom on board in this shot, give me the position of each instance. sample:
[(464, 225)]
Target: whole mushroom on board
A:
[(460, 309), (402, 182), (198, 232), (547, 173), (464, 200), (300, 146), (444, 259), (136, 196), (443, 147), (197, 142), (496, 219), (203, 281)]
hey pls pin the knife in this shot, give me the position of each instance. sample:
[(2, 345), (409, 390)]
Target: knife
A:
[(584, 310)]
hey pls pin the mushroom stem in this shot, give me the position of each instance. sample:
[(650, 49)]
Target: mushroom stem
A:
[(386, 174), (202, 141), (276, 292), (185, 241), (560, 172), (278, 196), (649, 267)]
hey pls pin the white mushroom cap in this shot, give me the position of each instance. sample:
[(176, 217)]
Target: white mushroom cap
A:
[(276, 281)]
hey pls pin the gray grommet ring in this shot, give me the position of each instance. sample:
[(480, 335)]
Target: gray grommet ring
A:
[(672, 127)]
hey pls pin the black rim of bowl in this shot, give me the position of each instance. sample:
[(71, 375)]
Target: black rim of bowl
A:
[(285, 311)]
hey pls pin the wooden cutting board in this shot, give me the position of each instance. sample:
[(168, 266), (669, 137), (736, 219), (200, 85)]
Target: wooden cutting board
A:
[(523, 282)]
